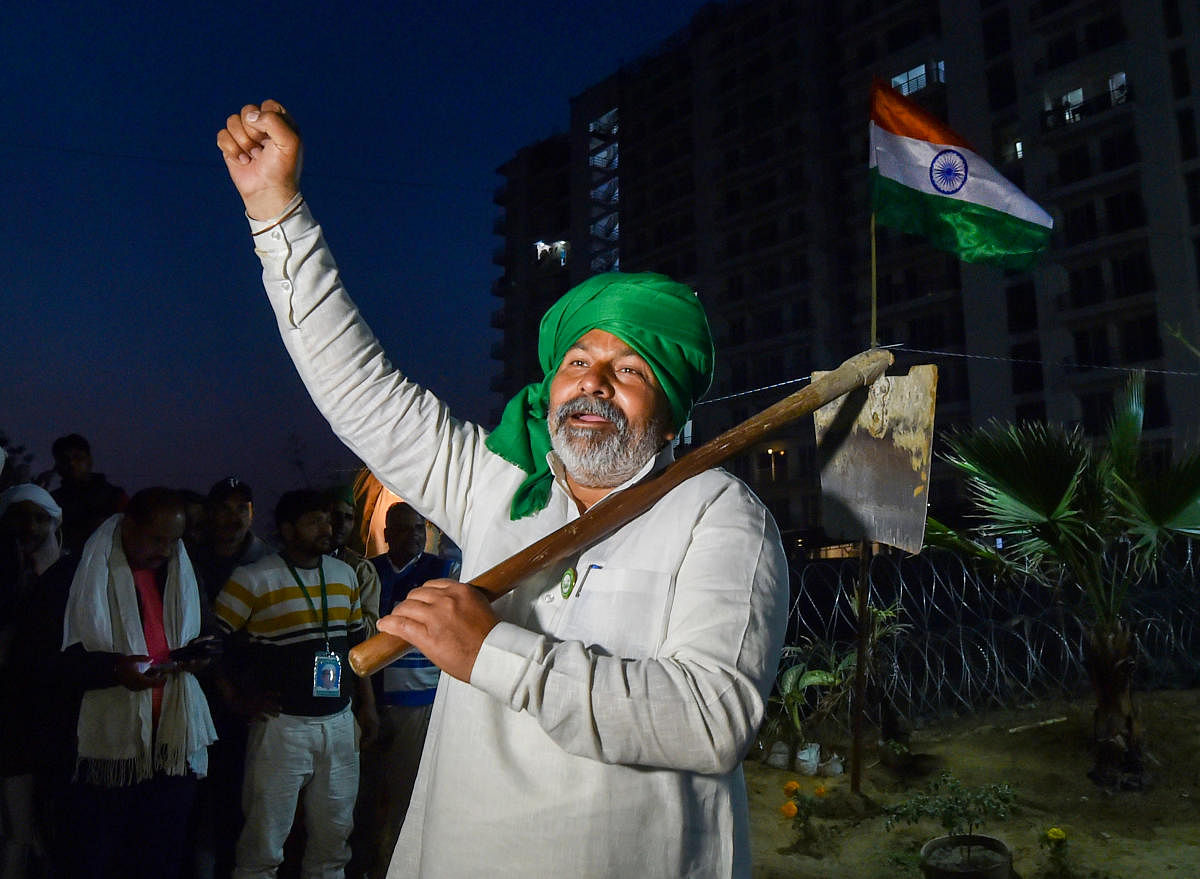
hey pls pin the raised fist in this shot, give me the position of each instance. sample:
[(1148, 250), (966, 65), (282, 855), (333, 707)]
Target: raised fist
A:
[(263, 152)]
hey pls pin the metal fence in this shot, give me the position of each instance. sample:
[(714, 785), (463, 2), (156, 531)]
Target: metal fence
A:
[(972, 641)]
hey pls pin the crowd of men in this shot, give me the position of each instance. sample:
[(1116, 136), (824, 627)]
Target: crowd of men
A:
[(175, 695)]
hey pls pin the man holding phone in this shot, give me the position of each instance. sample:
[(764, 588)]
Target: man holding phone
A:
[(132, 633)]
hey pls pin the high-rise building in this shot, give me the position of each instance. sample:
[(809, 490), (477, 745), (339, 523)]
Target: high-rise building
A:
[(734, 158), (536, 223)]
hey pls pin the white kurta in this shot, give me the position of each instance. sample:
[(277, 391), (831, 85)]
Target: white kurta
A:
[(601, 734)]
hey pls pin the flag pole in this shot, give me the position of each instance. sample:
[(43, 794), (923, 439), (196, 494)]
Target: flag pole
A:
[(863, 617), (874, 340)]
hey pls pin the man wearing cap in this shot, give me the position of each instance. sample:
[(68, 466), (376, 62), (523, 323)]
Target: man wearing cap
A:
[(591, 722), (228, 541), (30, 543)]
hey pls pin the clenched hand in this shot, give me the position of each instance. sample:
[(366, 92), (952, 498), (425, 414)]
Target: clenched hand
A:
[(447, 621), (263, 153)]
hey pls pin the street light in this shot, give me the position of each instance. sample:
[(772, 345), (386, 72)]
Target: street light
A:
[(771, 453)]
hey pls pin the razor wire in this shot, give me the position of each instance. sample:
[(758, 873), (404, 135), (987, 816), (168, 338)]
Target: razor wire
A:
[(969, 640)]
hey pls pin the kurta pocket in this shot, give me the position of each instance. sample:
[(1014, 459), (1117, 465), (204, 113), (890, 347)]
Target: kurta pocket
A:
[(618, 611)]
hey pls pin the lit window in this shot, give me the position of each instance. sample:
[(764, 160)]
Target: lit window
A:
[(1070, 103), (606, 124), (555, 249), (1116, 87), (1019, 149), (910, 81)]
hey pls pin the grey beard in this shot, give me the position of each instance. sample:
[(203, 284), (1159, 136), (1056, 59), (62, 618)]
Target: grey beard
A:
[(607, 459)]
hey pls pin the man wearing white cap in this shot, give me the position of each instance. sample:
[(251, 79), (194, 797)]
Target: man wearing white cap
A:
[(31, 541)]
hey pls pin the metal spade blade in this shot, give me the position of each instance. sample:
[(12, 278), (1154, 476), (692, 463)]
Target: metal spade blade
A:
[(873, 448)]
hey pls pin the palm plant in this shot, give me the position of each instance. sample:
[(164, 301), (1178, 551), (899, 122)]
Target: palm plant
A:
[(1096, 518)]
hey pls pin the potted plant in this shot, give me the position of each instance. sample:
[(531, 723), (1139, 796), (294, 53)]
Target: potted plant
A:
[(815, 683), (961, 810)]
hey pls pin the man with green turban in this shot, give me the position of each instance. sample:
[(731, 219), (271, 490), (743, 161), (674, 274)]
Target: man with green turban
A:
[(592, 722), (654, 319)]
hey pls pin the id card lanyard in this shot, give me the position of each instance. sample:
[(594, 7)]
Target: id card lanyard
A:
[(308, 598), (327, 666)]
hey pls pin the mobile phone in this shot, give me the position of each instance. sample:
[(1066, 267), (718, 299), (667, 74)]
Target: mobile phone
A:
[(154, 668)]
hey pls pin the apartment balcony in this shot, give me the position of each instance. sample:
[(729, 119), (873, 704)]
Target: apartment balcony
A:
[(499, 319), (501, 287), (500, 256), (606, 159), (607, 126), (1060, 118), (500, 195)]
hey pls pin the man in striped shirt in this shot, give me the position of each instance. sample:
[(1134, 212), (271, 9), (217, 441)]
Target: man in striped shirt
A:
[(302, 613)]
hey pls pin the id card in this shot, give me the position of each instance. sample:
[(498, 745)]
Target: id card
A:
[(327, 675)]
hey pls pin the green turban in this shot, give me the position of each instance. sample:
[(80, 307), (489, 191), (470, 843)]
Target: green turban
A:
[(661, 320)]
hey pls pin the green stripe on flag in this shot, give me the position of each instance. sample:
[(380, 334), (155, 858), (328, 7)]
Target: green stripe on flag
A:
[(973, 232)]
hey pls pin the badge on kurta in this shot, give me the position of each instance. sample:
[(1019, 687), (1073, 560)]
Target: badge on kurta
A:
[(567, 583)]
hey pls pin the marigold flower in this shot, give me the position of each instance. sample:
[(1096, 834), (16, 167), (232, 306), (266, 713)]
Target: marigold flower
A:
[(788, 809), (820, 790), (1056, 834), (791, 787)]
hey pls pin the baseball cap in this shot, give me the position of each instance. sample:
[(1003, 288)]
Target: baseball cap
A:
[(230, 485)]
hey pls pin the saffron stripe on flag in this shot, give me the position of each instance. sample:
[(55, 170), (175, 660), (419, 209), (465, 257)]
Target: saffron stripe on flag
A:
[(907, 118)]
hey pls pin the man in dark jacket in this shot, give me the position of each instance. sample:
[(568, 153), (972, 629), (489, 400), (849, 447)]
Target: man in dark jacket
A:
[(87, 498)]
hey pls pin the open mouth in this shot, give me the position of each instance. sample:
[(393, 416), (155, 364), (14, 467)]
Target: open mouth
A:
[(586, 414), (586, 419)]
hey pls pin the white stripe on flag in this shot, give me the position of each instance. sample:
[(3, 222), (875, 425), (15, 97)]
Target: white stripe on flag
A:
[(907, 160)]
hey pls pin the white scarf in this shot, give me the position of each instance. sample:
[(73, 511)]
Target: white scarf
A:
[(117, 745)]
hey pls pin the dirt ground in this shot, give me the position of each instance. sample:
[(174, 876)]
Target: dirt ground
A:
[(1127, 835)]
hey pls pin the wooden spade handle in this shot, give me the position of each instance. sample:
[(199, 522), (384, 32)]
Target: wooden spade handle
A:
[(603, 519)]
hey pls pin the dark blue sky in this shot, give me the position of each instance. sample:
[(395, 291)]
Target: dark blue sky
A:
[(132, 309)]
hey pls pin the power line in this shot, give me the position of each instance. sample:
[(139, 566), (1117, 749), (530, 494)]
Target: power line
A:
[(936, 353), (790, 381), (1078, 366)]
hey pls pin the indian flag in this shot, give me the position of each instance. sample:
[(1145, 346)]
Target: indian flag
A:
[(927, 180)]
